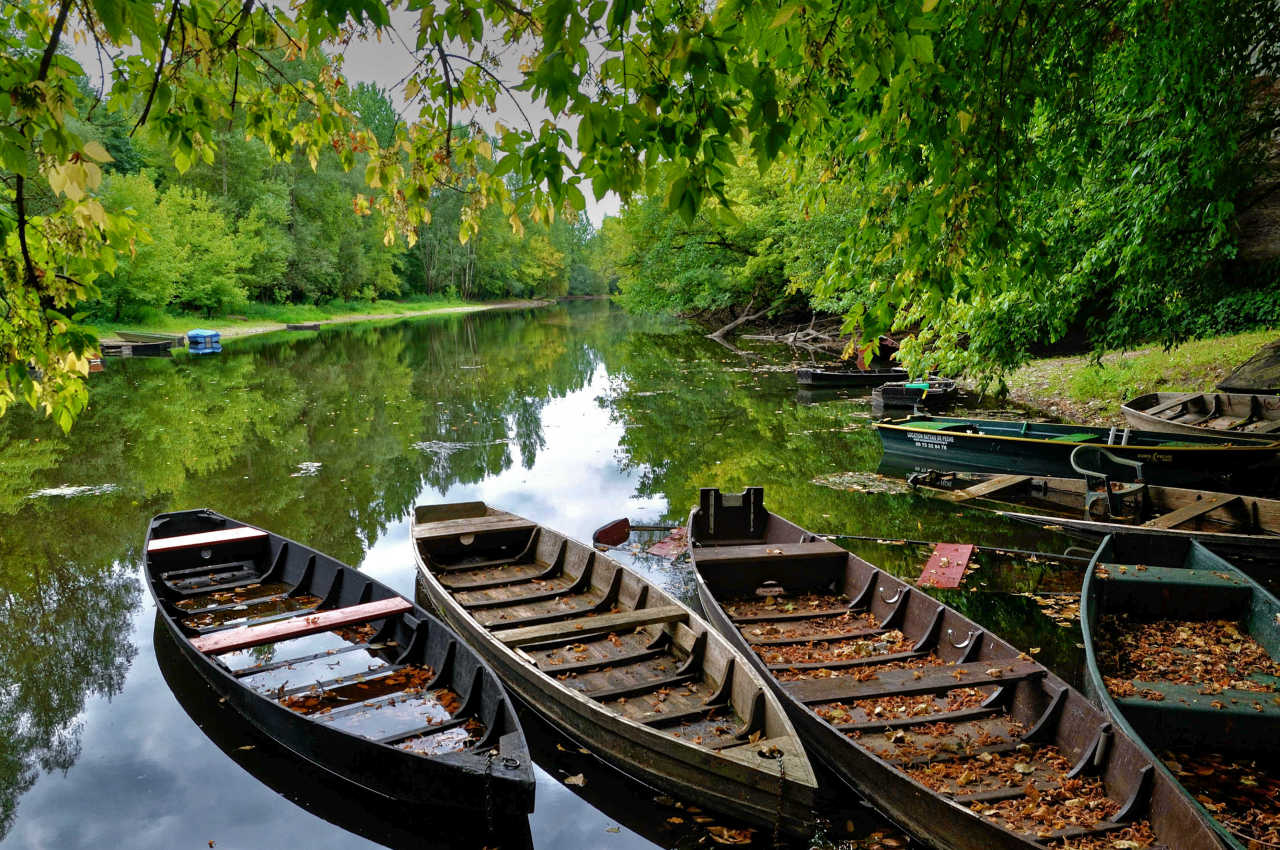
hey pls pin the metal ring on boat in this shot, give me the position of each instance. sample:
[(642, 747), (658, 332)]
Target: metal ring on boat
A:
[(896, 596), (967, 640), (510, 762)]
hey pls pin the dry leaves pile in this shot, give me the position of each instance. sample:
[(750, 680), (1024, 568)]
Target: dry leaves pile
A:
[(890, 707), (409, 681), (836, 650), (246, 612), (1209, 654), (1063, 609), (756, 606), (1244, 795)]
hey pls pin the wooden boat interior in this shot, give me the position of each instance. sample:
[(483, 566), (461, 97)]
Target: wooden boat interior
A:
[(923, 690), (600, 630), (1246, 413), (1133, 503), (312, 635), (1187, 645)]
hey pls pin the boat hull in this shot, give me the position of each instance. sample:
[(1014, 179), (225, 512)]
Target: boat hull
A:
[(1206, 460), (1223, 414), (764, 792), (460, 780), (848, 378)]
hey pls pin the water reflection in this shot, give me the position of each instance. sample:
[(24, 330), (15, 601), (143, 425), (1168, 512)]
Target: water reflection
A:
[(570, 416)]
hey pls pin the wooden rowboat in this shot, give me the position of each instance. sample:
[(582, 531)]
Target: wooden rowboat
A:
[(1027, 448), (1227, 523), (1205, 413), (1183, 652), (146, 336), (303, 326), (848, 377), (897, 396), (615, 662), (947, 729), (337, 667)]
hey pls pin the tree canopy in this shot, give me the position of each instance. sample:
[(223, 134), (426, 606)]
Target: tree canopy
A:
[(1009, 161)]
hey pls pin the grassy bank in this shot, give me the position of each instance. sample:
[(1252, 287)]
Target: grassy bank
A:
[(1082, 390), (256, 318)]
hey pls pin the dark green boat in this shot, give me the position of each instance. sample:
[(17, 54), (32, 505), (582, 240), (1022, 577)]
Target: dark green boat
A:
[(1026, 448), (1182, 651)]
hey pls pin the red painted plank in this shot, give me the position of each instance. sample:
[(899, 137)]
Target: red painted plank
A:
[(247, 636), (207, 538), (946, 565)]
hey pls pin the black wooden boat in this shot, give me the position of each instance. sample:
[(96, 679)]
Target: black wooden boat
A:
[(303, 326), (615, 662), (947, 729), (136, 349), (909, 396), (336, 666), (1227, 523), (1225, 414), (383, 820), (1183, 652), (848, 377), (1028, 448), (146, 336)]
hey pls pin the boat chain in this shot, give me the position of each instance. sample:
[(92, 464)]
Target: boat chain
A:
[(488, 788)]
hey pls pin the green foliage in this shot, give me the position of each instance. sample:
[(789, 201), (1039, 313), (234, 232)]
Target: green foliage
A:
[(145, 276), (208, 263)]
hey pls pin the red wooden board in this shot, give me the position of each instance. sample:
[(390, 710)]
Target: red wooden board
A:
[(946, 565), (247, 636)]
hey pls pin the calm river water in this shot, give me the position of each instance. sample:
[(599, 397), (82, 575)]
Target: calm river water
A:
[(570, 415)]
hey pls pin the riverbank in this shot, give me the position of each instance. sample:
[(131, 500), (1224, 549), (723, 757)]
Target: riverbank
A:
[(239, 326), (1079, 389)]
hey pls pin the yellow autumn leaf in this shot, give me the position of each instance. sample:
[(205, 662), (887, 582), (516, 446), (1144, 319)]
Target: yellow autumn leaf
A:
[(929, 5), (95, 150)]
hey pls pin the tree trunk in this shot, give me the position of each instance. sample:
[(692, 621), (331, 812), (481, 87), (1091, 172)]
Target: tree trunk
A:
[(746, 316)]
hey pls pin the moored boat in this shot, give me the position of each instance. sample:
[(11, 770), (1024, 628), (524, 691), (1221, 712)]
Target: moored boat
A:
[(1226, 522), (848, 377), (146, 336), (135, 349), (899, 396), (955, 734), (337, 667), (1030, 448), (1182, 650), (1205, 413), (615, 662), (303, 326)]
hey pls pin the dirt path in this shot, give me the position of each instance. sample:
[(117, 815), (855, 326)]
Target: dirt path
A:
[(247, 329)]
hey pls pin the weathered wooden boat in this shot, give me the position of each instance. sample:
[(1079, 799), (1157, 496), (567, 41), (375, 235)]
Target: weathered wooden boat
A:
[(146, 336), (1201, 413), (303, 326), (1228, 523), (337, 667), (615, 662), (383, 820), (1028, 448), (947, 729), (933, 394), (848, 377), (135, 349), (1182, 650)]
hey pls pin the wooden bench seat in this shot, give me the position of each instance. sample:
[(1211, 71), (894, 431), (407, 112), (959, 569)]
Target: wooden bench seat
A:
[(245, 637), (582, 627), (708, 555), (204, 538), (991, 485), (1186, 513), (471, 525), (905, 682)]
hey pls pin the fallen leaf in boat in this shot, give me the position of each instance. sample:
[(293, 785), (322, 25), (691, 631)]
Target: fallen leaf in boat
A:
[(584, 751), (245, 747), (1024, 768), (725, 835), (612, 829), (577, 779), (675, 820)]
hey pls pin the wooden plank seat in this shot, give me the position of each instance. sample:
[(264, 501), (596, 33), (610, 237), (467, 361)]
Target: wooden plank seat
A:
[(206, 538), (998, 733), (920, 720), (1173, 576), (1186, 513), (551, 588), (853, 634), (366, 677), (270, 666), (1187, 698), (991, 485), (502, 575), (906, 683), (846, 663), (581, 627), (781, 617), (244, 637), (471, 525), (1167, 405), (718, 555)]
